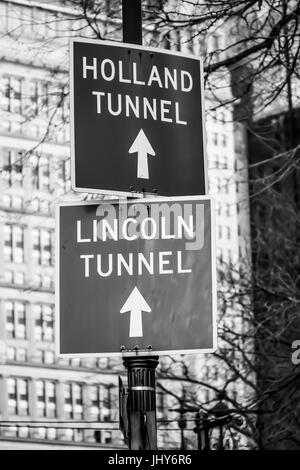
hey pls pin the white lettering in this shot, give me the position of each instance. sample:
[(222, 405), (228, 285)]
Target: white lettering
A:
[(86, 67), (148, 265), (179, 264), (163, 262), (128, 266), (135, 80), (121, 78), (144, 232), (98, 94), (170, 78), (134, 108), (181, 224), (99, 266), (186, 74), (154, 77), (79, 236), (164, 111), (109, 105), (106, 227), (124, 229), (147, 107), (86, 264), (110, 76), (177, 120)]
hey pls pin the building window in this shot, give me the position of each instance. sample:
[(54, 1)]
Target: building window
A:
[(73, 401), (224, 140), (226, 187), (46, 398), (40, 280), (15, 319), (217, 161), (17, 203), (51, 434), (103, 362), (33, 97), (23, 432), (45, 207), (44, 174), (9, 277), (12, 94), (106, 437), (228, 210), (64, 174), (225, 162), (228, 233), (42, 246), (39, 97), (95, 403), (21, 355), (17, 390), (13, 243), (44, 323), (215, 138), (105, 403), (38, 357), (49, 357), (7, 201), (215, 41), (220, 231), (19, 277), (12, 168), (40, 167), (11, 354)]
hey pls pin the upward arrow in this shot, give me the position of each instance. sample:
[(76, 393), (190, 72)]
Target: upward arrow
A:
[(135, 304), (142, 147)]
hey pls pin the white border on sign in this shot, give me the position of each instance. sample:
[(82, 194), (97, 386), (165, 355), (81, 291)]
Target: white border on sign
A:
[(72, 123), (142, 352)]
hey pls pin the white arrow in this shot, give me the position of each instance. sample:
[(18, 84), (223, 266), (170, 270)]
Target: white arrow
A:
[(135, 304), (142, 147)]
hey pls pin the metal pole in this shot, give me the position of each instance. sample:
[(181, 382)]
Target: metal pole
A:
[(132, 21), (141, 402), (141, 398)]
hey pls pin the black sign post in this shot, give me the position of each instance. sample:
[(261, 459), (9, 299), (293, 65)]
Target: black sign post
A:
[(141, 399)]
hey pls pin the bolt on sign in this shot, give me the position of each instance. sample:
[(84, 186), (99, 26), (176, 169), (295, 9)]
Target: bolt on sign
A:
[(137, 120), (136, 273)]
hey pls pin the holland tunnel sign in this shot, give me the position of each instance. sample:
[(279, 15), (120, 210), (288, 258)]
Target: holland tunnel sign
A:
[(136, 273), (136, 120)]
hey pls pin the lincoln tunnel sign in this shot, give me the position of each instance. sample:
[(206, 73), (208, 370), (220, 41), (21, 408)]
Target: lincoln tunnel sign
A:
[(136, 120), (136, 273)]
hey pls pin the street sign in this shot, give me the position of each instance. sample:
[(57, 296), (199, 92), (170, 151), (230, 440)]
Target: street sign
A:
[(136, 273), (137, 120)]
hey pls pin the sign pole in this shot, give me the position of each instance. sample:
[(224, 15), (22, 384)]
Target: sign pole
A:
[(141, 400), (132, 21)]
